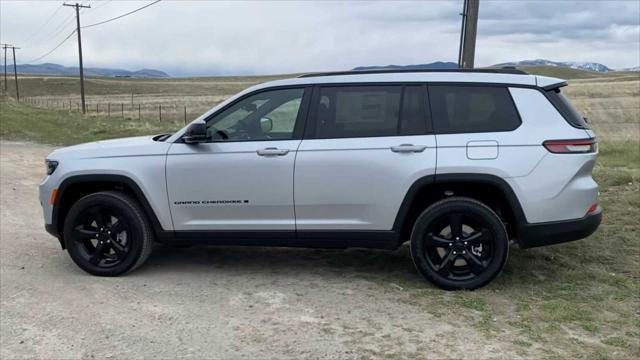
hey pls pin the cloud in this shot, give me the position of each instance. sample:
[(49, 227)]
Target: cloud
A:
[(201, 37)]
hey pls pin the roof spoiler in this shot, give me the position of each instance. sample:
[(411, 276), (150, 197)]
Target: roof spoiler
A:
[(550, 83)]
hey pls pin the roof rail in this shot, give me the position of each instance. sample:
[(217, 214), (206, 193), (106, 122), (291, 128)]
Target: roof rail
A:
[(504, 70)]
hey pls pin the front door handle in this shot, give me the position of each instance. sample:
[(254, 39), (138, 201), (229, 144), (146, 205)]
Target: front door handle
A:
[(272, 151), (407, 148)]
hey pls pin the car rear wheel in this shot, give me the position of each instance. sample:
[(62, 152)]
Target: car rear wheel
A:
[(459, 243), (107, 234)]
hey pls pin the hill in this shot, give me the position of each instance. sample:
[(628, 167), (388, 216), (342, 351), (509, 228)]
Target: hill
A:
[(55, 69), (588, 66)]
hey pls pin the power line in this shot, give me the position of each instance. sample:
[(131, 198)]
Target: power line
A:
[(5, 46), (77, 8), (57, 30), (44, 24), (15, 72), (121, 16), (468, 33), (54, 49)]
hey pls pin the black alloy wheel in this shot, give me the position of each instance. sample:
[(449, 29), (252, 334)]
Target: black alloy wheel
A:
[(102, 237), (107, 234), (459, 243)]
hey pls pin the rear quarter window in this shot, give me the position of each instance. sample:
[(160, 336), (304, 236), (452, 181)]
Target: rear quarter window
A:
[(471, 109), (566, 109)]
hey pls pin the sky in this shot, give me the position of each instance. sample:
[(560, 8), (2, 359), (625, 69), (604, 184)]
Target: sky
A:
[(185, 38)]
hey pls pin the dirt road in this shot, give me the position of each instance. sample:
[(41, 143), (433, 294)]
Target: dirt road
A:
[(221, 302)]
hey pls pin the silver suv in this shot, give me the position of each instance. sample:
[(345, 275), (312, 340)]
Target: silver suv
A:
[(458, 163)]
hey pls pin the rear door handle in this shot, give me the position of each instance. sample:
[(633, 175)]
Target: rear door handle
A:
[(272, 151), (407, 148)]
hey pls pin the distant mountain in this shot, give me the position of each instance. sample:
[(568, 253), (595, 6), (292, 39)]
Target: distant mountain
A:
[(55, 69), (635, 68), (588, 66), (434, 65)]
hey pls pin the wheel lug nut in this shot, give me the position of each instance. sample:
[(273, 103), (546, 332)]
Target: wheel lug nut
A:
[(465, 243), (464, 252), (457, 238)]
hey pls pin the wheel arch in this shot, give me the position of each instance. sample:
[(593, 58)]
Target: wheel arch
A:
[(75, 187), (486, 188)]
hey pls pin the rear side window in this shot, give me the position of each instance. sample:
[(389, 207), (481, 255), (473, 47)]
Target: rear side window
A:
[(464, 109), (565, 109), (370, 111)]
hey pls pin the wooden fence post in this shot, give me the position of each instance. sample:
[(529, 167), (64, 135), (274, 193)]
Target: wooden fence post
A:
[(122, 110), (185, 114), (109, 109), (138, 112), (160, 112)]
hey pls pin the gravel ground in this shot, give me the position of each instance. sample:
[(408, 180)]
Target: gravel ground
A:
[(214, 302)]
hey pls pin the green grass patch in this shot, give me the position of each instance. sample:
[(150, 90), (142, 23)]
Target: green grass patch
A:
[(60, 127), (616, 341)]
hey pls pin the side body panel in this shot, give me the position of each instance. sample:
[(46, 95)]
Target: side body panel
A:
[(550, 187), (357, 183), (141, 160), (228, 186)]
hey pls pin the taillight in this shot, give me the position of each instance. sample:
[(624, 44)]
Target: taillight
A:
[(571, 146)]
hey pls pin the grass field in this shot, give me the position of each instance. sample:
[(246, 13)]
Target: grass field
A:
[(580, 299), (610, 101)]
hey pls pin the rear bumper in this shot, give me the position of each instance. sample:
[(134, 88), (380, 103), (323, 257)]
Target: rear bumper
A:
[(533, 235)]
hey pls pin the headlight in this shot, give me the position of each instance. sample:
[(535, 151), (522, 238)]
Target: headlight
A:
[(51, 166)]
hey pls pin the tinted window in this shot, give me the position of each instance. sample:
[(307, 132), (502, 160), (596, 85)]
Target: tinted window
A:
[(460, 109), (412, 117), (368, 111), (565, 108), (269, 115)]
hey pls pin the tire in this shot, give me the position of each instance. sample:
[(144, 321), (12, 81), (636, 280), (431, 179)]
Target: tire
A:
[(107, 234), (459, 244)]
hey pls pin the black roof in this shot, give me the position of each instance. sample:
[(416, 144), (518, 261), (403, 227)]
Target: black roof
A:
[(507, 70)]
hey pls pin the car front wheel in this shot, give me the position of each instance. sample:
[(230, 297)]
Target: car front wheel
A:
[(107, 234), (459, 243)]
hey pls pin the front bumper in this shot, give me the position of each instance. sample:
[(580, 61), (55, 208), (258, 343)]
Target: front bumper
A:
[(51, 229), (534, 235)]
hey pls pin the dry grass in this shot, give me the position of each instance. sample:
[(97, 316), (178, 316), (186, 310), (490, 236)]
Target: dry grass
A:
[(611, 101), (612, 105)]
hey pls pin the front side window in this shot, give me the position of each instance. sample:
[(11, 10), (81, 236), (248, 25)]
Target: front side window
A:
[(463, 108), (269, 115), (369, 111)]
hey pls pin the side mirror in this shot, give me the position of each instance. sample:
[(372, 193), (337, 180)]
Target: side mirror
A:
[(196, 133), (266, 124)]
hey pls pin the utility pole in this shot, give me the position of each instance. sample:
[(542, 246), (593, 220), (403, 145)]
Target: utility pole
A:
[(5, 46), (468, 32), (15, 72), (78, 6)]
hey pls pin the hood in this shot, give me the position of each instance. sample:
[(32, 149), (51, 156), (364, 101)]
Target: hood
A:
[(132, 146)]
